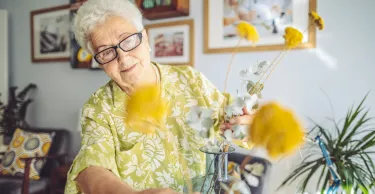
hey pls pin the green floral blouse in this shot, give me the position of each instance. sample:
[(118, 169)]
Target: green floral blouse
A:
[(158, 160)]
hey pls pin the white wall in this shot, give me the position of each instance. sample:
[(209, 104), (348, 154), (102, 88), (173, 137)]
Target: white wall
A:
[(298, 82), (4, 55)]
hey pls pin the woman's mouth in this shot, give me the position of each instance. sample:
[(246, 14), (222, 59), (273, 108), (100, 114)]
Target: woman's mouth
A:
[(129, 69)]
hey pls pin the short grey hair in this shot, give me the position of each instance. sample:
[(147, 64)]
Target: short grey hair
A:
[(94, 12)]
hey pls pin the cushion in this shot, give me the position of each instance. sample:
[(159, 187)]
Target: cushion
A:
[(26, 144)]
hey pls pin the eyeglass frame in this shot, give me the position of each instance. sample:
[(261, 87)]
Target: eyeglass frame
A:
[(139, 34)]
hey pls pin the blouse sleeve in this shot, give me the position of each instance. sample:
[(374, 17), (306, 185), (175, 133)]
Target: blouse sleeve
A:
[(213, 98), (97, 145)]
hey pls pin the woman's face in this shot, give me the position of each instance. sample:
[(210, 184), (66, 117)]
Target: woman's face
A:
[(127, 68)]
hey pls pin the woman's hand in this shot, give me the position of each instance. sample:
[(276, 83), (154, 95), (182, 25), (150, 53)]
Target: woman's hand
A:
[(244, 119)]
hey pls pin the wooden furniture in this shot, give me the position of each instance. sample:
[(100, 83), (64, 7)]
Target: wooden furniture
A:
[(160, 9), (56, 157), (58, 178)]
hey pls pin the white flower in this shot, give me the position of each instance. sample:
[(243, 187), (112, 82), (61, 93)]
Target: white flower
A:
[(199, 119), (235, 108), (250, 101), (255, 70), (228, 135), (261, 68), (238, 185), (240, 102), (240, 131), (211, 147)]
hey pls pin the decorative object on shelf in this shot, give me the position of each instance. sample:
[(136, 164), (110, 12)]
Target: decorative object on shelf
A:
[(50, 34), (222, 16), (350, 149), (172, 42), (13, 114), (160, 9), (80, 58)]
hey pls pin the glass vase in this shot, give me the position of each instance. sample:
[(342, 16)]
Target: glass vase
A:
[(216, 172)]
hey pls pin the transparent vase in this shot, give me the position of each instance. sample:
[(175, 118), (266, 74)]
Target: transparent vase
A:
[(216, 175)]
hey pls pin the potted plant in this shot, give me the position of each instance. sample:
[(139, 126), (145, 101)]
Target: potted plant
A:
[(350, 147), (13, 114)]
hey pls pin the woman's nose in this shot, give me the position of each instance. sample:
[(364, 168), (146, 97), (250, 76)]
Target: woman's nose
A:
[(121, 55)]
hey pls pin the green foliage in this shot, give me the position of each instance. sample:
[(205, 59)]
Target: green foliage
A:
[(351, 150), (12, 115), (253, 88)]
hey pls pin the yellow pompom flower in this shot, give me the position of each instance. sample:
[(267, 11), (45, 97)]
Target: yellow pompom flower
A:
[(276, 129), (146, 109), (293, 37), (317, 20), (247, 31)]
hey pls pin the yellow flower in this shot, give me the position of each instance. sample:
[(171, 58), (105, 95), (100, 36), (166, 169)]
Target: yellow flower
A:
[(317, 20), (293, 37), (247, 31), (146, 109), (276, 129)]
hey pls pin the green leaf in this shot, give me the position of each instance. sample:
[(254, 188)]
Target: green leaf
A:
[(350, 118), (357, 175), (321, 177), (359, 124), (325, 183), (363, 189), (309, 176), (369, 165), (302, 168)]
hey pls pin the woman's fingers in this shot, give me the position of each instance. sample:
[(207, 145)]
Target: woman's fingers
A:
[(225, 126), (245, 111), (241, 120)]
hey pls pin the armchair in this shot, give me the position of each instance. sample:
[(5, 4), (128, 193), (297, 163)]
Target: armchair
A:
[(55, 157)]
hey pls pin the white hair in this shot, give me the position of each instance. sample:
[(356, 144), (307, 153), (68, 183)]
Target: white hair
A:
[(94, 12)]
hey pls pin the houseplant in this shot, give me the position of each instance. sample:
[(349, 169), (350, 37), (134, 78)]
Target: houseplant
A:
[(13, 114), (350, 146)]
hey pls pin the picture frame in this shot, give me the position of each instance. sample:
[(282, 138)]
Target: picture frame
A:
[(172, 42), (49, 32), (220, 17)]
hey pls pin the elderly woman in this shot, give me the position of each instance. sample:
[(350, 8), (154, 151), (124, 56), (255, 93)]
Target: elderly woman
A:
[(118, 159)]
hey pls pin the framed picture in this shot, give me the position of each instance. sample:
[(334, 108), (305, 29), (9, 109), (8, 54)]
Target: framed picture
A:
[(50, 34), (270, 17), (172, 42)]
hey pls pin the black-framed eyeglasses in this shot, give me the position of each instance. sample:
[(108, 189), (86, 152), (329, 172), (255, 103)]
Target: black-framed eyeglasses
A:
[(109, 54)]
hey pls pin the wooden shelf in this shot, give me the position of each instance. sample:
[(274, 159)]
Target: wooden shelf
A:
[(177, 8)]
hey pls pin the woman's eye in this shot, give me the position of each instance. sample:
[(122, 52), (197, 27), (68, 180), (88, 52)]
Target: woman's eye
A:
[(107, 52)]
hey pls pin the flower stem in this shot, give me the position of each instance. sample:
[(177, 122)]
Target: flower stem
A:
[(273, 69), (230, 63), (266, 70), (228, 70)]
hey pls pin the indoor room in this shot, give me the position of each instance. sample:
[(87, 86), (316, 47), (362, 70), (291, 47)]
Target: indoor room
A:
[(187, 96)]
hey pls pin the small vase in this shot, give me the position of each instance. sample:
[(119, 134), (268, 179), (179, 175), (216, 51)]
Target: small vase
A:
[(216, 171)]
